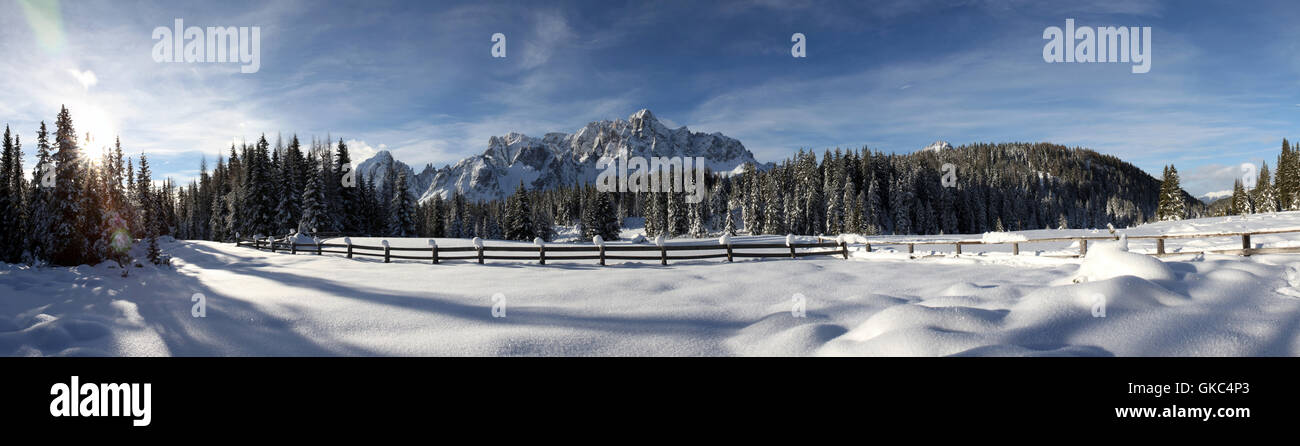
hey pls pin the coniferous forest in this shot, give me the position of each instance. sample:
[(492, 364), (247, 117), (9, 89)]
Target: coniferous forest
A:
[(80, 207)]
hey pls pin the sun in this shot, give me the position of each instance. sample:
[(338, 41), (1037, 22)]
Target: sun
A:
[(95, 127)]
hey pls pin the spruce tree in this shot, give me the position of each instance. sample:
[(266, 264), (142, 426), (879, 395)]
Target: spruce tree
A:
[(39, 196), (401, 208), (9, 242), (313, 206), (604, 220), (1171, 205), (729, 225), (519, 216), (1265, 197), (1240, 204), (68, 247)]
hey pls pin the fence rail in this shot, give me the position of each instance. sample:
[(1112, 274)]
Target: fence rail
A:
[(1247, 247), (602, 253), (544, 253)]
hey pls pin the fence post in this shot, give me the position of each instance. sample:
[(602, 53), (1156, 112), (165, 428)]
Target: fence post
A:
[(293, 247), (317, 248), (385, 243), (844, 249), (1245, 244), (789, 242), (1015, 249), (1083, 247), (1160, 246), (478, 246), (541, 250), (602, 255), (958, 245), (433, 251), (725, 240), (911, 247), (663, 252), (868, 247), (348, 241)]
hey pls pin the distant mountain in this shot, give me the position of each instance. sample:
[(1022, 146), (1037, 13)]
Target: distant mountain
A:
[(1215, 196), (562, 158), (937, 146), (377, 168)]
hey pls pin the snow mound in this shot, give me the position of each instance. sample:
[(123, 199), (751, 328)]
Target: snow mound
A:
[(1108, 260), (1002, 237)]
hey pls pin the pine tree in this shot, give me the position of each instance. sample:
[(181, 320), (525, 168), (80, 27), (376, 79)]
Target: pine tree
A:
[(313, 201), (901, 202), (68, 247), (852, 209), (347, 200), (774, 217), (678, 220), (1240, 204), (519, 216), (1265, 198), (1171, 205), (437, 213), (39, 196), (753, 207), (604, 221), (401, 208), (10, 244), (1287, 186), (729, 226), (697, 228)]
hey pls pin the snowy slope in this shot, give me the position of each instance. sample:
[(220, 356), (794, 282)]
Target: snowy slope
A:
[(877, 303)]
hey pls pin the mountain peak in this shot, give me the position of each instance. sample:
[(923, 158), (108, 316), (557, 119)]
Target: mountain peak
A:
[(937, 146), (643, 115)]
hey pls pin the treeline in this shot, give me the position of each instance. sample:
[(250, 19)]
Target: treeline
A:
[(1271, 193), (77, 209)]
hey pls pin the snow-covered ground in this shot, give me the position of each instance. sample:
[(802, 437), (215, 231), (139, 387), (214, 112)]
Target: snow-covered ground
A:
[(1114, 302)]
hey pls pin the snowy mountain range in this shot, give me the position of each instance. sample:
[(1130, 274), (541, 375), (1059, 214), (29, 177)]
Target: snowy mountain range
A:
[(560, 158)]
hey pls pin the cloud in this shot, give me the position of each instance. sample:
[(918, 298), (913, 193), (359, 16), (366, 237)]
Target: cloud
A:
[(360, 151), (550, 32), (86, 78)]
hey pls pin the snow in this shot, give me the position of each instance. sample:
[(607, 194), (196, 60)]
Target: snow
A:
[(983, 302), (1108, 260), (1002, 237)]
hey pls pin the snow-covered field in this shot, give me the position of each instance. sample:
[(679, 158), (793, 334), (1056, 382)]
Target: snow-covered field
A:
[(981, 303)]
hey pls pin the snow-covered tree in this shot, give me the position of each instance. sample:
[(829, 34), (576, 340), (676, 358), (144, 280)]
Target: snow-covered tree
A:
[(401, 208)]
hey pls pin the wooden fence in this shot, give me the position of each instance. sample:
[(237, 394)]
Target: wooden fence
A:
[(602, 253), (544, 253), (1082, 241)]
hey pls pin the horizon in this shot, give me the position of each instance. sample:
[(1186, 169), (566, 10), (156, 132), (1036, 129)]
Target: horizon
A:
[(420, 81)]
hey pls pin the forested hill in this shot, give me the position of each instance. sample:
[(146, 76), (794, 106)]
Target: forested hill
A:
[(1036, 185), (1009, 186)]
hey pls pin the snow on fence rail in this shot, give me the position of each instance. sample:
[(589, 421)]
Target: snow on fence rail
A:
[(542, 252), (790, 249), (1246, 248)]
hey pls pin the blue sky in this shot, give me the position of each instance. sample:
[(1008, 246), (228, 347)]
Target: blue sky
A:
[(418, 78)]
